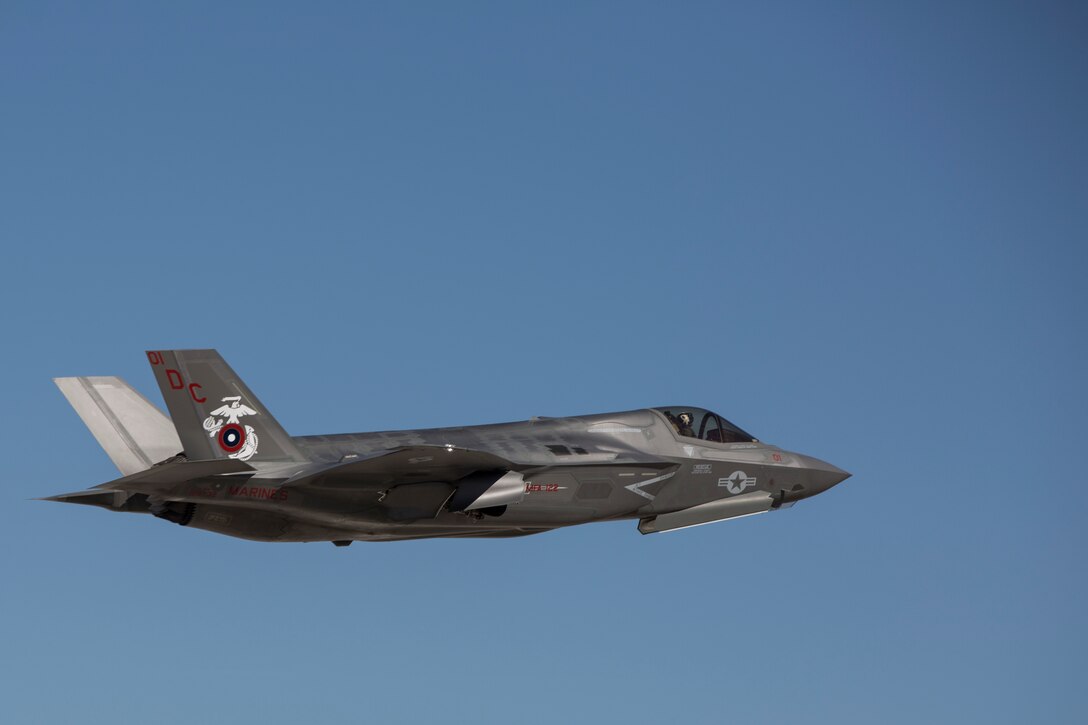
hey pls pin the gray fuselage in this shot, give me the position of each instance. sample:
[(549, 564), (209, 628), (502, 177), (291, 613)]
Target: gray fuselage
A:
[(627, 465)]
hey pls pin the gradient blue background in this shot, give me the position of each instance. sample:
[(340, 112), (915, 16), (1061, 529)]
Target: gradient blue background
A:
[(856, 229)]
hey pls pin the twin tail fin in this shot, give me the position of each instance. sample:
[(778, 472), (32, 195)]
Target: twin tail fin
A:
[(216, 415)]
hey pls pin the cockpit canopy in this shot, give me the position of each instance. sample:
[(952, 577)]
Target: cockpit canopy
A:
[(704, 425)]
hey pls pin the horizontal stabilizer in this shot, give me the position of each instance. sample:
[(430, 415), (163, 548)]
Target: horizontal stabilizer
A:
[(94, 497), (158, 478), (133, 432), (161, 480)]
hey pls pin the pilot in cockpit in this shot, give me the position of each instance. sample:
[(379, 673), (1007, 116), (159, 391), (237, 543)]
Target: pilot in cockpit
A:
[(683, 427)]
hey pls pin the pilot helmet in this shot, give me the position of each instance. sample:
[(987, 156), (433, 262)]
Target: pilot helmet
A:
[(685, 418)]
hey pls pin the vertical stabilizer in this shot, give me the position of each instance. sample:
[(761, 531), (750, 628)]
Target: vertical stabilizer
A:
[(133, 432), (215, 414)]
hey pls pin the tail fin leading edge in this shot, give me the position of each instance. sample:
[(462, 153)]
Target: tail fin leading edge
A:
[(215, 414)]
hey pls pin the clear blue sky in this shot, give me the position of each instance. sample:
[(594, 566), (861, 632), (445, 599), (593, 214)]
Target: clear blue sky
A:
[(856, 229)]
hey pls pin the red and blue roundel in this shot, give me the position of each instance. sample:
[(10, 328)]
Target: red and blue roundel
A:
[(232, 437)]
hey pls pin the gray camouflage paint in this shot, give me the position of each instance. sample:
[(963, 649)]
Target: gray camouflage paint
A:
[(411, 484)]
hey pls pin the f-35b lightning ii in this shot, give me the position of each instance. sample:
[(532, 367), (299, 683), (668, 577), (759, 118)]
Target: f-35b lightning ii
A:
[(221, 462)]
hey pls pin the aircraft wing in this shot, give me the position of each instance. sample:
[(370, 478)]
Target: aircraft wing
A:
[(398, 466), (420, 481)]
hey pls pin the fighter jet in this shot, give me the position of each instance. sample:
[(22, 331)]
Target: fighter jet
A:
[(222, 463)]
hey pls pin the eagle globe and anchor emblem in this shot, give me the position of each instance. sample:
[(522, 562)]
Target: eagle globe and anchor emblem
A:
[(237, 439)]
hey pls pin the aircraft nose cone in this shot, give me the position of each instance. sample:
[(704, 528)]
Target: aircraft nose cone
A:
[(821, 474)]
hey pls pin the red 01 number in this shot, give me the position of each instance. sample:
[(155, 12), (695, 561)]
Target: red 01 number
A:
[(174, 379)]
